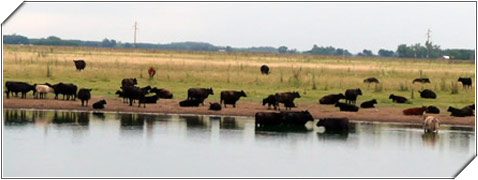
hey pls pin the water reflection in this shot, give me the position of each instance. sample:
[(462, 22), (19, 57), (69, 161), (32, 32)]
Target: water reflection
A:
[(195, 122), (332, 136), (131, 121), (430, 139), (229, 123), (16, 117), (99, 115), (77, 118)]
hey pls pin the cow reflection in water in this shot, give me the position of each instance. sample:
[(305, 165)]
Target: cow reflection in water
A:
[(99, 115), (195, 121), (430, 139), (228, 123), (131, 121), (15, 117), (281, 128), (79, 118), (333, 135)]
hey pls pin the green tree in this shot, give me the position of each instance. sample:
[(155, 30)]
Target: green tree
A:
[(386, 53), (282, 49)]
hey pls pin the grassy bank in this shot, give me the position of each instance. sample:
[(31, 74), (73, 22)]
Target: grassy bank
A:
[(312, 76)]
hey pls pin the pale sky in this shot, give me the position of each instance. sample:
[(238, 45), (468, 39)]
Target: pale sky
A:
[(353, 26)]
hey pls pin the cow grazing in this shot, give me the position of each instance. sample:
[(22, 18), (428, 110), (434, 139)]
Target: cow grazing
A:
[(68, 90), (16, 87), (428, 94), (347, 107), (199, 94), (465, 81), (42, 90), (431, 124), (129, 82), (151, 72), (421, 80), (369, 104), (270, 100), (331, 99), (334, 124), (99, 104), (432, 110), (231, 97), (351, 95), (460, 112), (121, 95), (415, 111), (215, 106), (79, 64), (162, 93), (147, 100), (190, 103), (285, 97), (265, 69), (298, 118), (371, 80), (84, 95), (398, 99)]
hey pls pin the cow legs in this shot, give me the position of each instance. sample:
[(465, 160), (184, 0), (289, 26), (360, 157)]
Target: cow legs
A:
[(234, 105)]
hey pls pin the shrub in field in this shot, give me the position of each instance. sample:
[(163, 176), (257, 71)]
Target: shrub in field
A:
[(454, 88), (403, 87)]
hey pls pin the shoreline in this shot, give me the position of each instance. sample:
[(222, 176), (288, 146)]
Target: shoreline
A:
[(243, 108)]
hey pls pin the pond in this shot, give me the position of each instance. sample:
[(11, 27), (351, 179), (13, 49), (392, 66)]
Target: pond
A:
[(83, 144)]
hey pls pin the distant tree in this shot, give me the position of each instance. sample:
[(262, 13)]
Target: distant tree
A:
[(15, 39), (228, 49), (53, 38), (405, 51), (386, 53), (365, 52), (282, 49)]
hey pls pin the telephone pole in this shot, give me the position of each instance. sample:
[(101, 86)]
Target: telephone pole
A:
[(135, 29), (428, 43)]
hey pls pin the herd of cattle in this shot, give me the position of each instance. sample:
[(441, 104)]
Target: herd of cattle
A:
[(196, 96)]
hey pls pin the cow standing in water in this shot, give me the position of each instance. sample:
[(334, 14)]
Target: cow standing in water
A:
[(151, 72)]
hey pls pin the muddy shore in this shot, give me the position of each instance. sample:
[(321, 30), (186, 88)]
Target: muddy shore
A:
[(379, 114)]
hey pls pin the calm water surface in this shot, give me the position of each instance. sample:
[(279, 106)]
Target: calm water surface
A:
[(81, 144)]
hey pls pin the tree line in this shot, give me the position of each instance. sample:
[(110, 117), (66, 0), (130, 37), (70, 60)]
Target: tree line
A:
[(428, 50)]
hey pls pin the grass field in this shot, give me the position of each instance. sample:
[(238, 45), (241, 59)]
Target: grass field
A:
[(312, 76)]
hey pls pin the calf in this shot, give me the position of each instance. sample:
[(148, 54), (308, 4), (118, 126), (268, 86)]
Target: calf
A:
[(190, 103), (432, 110), (265, 69), (415, 111), (465, 81), (270, 100), (151, 72), (421, 80), (460, 112), (431, 124), (199, 94), (84, 95), (79, 64), (147, 100), (347, 107), (398, 99), (428, 94), (42, 89), (215, 106), (331, 99), (334, 124), (16, 87), (351, 95), (369, 104), (371, 80), (162, 93), (99, 104), (285, 97), (231, 97), (129, 82)]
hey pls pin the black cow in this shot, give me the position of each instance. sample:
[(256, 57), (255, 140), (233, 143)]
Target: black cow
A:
[(371, 80), (121, 94), (334, 124), (190, 103), (99, 104), (231, 97), (369, 104), (432, 110), (398, 99), (215, 106), (267, 118), (132, 93), (68, 90), (270, 100), (84, 95), (347, 107), (129, 82), (421, 80), (460, 112), (162, 93), (465, 81), (199, 94), (351, 95), (331, 99), (285, 97), (296, 118), (472, 107), (289, 105), (147, 100), (265, 69), (428, 94), (80, 64), (16, 87)]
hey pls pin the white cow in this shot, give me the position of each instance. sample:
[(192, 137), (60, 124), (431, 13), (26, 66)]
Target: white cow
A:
[(431, 124), (43, 89)]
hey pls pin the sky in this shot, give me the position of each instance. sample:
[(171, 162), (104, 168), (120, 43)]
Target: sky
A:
[(353, 26)]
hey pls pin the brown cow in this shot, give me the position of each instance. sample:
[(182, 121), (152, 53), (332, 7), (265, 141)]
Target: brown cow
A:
[(415, 111), (231, 97), (151, 72), (199, 94), (286, 98)]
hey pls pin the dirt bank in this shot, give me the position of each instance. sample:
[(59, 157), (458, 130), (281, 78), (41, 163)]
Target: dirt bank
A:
[(380, 114)]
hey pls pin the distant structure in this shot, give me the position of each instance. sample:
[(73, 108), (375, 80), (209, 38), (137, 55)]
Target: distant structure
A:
[(428, 43), (135, 29)]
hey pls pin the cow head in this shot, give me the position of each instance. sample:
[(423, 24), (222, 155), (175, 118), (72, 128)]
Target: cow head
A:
[(243, 94), (341, 96), (103, 101), (307, 115), (359, 92), (135, 81), (426, 80), (89, 90), (374, 101), (450, 109), (265, 101), (210, 91), (321, 122), (391, 96), (296, 94)]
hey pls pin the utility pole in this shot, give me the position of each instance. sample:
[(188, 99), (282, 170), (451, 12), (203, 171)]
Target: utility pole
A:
[(428, 43), (135, 29)]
